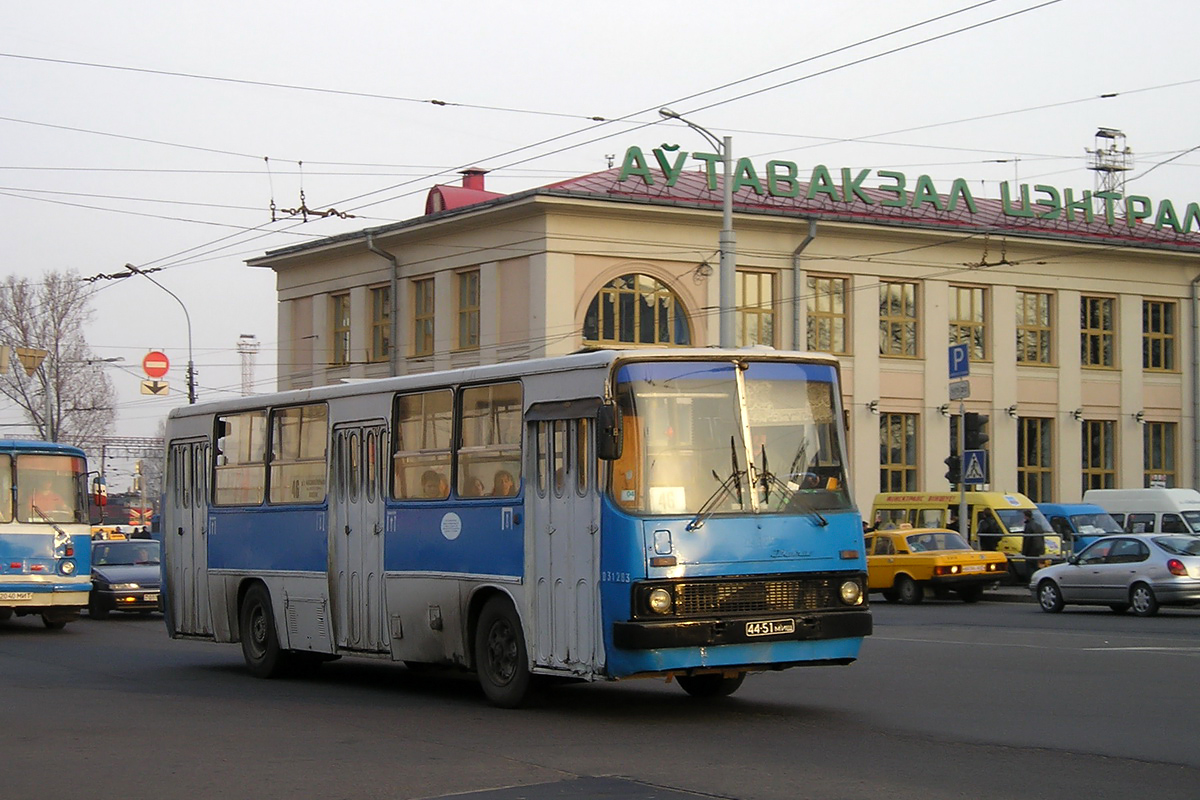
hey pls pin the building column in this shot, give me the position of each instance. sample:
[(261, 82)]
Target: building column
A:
[(1002, 429), (1130, 459), (445, 318), (360, 332), (1068, 440), (863, 302), (933, 315), (489, 312)]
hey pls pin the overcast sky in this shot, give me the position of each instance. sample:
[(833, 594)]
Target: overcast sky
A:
[(159, 134)]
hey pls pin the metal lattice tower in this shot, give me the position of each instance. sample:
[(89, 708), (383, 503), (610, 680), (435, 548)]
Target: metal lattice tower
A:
[(1110, 160), (247, 348)]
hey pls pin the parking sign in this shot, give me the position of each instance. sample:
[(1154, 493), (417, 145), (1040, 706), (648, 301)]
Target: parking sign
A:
[(960, 364)]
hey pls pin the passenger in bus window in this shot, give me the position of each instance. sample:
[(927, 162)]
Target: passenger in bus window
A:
[(47, 503), (475, 487), (433, 485), (503, 484)]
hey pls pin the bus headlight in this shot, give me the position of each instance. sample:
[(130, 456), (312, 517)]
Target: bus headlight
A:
[(660, 601), (67, 567), (851, 593)]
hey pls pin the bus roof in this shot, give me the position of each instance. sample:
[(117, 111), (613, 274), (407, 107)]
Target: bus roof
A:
[(34, 446), (591, 359)]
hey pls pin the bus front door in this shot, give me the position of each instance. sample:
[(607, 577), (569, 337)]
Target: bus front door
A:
[(185, 540), (566, 521), (356, 537)]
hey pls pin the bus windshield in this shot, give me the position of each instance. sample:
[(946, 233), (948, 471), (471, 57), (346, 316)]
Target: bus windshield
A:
[(717, 437), (48, 488)]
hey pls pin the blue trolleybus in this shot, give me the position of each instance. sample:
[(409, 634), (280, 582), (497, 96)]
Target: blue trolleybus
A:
[(681, 514), (45, 538)]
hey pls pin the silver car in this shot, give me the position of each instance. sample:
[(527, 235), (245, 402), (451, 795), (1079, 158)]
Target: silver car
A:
[(1141, 572)]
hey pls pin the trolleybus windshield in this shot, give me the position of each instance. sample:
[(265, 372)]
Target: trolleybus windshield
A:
[(768, 432)]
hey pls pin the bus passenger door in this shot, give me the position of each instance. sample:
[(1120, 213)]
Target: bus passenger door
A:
[(356, 537), (185, 539), (566, 520)]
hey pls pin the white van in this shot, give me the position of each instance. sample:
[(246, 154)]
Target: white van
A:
[(1150, 510)]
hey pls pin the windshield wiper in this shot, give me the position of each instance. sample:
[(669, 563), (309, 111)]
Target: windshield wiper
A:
[(790, 494), (61, 537), (728, 486)]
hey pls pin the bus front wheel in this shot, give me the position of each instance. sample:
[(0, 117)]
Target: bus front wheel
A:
[(256, 627), (501, 661)]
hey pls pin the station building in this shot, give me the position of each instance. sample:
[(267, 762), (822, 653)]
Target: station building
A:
[(1078, 309)]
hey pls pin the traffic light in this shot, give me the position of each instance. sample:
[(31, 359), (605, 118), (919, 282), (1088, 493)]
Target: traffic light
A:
[(954, 471), (974, 437)]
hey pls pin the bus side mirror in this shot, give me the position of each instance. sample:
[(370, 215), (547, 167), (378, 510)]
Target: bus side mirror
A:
[(610, 432), (100, 492)]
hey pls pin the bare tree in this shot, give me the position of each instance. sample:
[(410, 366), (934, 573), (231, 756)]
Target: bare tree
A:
[(68, 398)]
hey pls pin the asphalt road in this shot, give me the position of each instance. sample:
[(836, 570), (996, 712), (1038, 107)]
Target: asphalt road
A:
[(995, 700)]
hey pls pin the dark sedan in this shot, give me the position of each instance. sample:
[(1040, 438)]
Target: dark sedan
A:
[(125, 577)]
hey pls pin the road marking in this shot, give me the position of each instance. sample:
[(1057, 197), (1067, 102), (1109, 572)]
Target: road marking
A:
[(1190, 651)]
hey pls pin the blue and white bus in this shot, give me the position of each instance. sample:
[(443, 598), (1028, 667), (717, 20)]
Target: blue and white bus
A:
[(677, 513), (45, 537)]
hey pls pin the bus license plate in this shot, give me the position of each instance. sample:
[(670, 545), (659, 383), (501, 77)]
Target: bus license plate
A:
[(150, 598), (770, 627), (16, 595)]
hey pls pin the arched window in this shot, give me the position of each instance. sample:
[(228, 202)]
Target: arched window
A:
[(636, 309)]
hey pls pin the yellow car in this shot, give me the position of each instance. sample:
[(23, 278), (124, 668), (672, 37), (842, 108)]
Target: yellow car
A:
[(901, 563)]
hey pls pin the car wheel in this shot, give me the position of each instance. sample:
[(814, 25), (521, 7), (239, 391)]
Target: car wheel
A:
[(256, 628), (1050, 597), (501, 661), (910, 591), (95, 609), (711, 685), (971, 594), (55, 622), (1119, 608), (1142, 598)]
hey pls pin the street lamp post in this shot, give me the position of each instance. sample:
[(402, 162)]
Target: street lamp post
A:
[(727, 274), (191, 367)]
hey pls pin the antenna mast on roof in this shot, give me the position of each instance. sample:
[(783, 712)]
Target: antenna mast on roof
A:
[(1110, 160)]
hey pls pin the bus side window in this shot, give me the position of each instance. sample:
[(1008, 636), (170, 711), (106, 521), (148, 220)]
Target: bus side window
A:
[(542, 456), (559, 444), (583, 456), (626, 482)]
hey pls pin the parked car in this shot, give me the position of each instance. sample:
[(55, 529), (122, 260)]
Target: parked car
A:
[(1141, 572), (902, 563), (1080, 524), (125, 577), (1150, 510)]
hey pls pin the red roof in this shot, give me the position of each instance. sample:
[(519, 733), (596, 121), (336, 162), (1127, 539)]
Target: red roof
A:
[(691, 189), (448, 198)]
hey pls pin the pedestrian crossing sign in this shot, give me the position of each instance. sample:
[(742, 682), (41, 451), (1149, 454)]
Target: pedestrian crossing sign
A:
[(974, 467)]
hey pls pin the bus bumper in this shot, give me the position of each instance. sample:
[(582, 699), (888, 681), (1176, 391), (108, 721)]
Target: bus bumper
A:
[(708, 632)]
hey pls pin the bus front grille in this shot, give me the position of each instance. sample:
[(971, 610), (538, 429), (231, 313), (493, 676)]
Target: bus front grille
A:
[(753, 596)]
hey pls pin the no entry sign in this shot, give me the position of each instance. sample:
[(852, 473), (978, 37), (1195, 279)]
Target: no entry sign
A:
[(155, 364)]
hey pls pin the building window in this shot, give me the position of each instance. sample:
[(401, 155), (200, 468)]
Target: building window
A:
[(339, 314), (828, 320), (1035, 458), (755, 308), (381, 323), (1034, 328), (1158, 334), (897, 452), (967, 321), (898, 319), (1097, 332), (1158, 448), (468, 310), (1099, 454), (423, 317), (636, 309)]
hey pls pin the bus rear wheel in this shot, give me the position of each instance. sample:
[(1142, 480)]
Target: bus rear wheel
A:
[(711, 685), (501, 660), (256, 628)]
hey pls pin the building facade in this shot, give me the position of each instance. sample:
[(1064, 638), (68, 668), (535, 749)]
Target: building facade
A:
[(1079, 315)]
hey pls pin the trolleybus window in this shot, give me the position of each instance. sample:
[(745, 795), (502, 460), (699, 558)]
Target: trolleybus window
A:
[(421, 461), (241, 459), (490, 454), (5, 489), (49, 489), (298, 437), (583, 457), (702, 435)]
